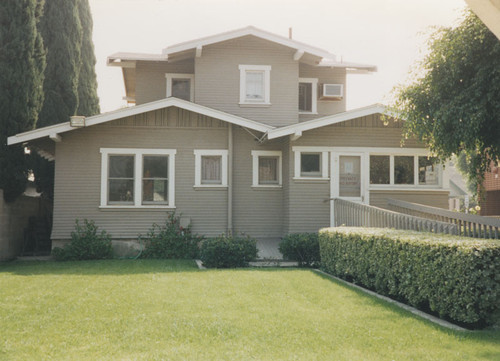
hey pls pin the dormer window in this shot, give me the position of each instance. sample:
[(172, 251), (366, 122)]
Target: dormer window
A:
[(180, 86), (308, 95), (255, 84)]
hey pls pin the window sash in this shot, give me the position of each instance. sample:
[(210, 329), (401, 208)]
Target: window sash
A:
[(155, 179), (305, 97), (254, 85), (380, 169), (310, 164), (211, 169), (404, 169), (268, 170), (120, 179), (181, 88)]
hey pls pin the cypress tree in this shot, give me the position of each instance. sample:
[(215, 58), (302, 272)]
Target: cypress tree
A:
[(88, 101), (22, 62), (62, 36)]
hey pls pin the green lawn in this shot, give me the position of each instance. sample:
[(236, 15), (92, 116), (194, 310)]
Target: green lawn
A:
[(170, 310)]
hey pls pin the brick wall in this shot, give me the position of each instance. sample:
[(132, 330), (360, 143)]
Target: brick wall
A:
[(490, 206)]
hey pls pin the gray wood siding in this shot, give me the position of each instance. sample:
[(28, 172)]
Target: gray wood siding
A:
[(256, 211), (378, 198), (217, 81), (78, 179), (151, 83), (324, 76)]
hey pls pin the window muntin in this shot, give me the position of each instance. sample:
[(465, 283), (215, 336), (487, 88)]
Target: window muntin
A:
[(255, 84), (267, 168), (404, 169), (155, 179), (308, 95), (180, 86), (428, 173), (380, 169), (121, 179), (310, 164), (134, 177)]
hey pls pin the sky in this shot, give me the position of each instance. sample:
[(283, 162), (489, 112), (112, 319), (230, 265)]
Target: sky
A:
[(390, 34)]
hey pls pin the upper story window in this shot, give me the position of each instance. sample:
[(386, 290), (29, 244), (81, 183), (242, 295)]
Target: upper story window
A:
[(266, 168), (308, 95), (255, 84), (180, 86), (137, 177)]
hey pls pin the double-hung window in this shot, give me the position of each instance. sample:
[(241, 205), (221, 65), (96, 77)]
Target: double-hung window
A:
[(180, 86), (210, 167), (137, 177), (308, 95), (255, 84), (266, 168)]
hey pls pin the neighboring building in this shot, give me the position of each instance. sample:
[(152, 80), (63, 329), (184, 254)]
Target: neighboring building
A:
[(243, 131), (490, 201)]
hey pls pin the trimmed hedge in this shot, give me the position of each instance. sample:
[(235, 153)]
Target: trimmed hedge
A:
[(301, 247), (457, 278), (228, 251)]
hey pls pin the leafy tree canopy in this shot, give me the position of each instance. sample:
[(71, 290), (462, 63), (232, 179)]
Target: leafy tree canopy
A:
[(453, 100)]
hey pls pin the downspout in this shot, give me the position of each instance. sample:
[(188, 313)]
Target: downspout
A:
[(230, 179)]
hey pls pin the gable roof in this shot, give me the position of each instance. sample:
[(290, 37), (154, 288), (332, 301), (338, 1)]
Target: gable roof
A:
[(53, 131), (326, 59), (298, 128)]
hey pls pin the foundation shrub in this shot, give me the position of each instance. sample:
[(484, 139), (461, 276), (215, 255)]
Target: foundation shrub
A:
[(170, 241), (301, 247), (228, 251), (454, 277), (86, 244)]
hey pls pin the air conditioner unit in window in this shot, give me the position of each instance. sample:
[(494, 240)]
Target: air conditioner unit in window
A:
[(331, 91)]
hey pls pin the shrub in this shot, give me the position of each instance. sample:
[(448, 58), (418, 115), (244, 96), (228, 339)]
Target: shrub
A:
[(301, 247), (170, 240), (86, 244), (228, 251), (456, 278)]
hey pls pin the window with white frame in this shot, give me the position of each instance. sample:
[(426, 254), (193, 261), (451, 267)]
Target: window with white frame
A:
[(405, 170), (210, 168), (180, 86), (137, 177), (255, 84), (310, 163), (266, 168), (308, 95)]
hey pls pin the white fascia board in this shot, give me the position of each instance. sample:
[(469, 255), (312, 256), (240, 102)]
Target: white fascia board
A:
[(125, 59), (352, 67), (249, 30), (139, 109), (329, 120)]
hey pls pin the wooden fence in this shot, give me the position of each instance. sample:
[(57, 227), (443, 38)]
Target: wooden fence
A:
[(467, 224), (361, 215)]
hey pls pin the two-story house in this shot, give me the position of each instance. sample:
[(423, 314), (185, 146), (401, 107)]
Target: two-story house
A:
[(243, 131)]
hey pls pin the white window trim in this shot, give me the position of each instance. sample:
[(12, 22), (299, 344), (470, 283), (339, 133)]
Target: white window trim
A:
[(170, 76), (266, 69), (198, 153), (255, 167), (297, 166), (138, 154), (314, 103)]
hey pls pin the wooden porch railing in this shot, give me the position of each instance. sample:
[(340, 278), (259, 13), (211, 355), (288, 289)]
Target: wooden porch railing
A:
[(361, 215), (467, 224)]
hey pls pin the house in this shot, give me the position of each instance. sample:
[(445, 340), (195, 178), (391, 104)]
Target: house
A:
[(242, 131), (490, 199)]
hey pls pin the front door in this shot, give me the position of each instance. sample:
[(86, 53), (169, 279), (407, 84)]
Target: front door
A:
[(348, 177)]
